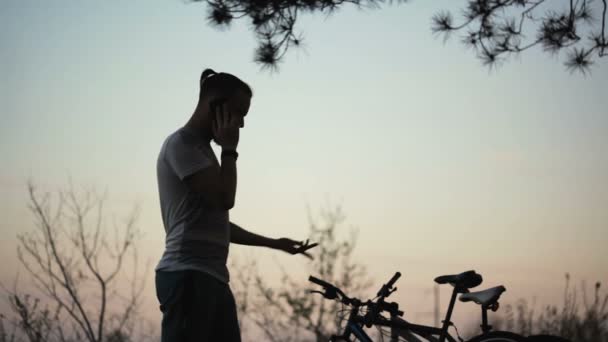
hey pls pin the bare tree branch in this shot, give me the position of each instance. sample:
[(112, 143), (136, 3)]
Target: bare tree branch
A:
[(61, 256)]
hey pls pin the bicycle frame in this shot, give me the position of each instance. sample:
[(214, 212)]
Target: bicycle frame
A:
[(408, 331), (400, 327)]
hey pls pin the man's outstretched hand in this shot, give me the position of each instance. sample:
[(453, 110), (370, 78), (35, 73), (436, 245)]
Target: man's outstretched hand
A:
[(294, 247)]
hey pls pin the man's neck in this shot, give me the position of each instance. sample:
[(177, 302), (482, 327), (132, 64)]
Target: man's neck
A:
[(197, 127)]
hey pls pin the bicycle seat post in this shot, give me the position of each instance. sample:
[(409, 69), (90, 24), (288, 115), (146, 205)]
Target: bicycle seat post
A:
[(485, 327), (448, 315)]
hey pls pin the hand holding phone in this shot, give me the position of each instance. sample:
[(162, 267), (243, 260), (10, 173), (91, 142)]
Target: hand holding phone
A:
[(224, 126)]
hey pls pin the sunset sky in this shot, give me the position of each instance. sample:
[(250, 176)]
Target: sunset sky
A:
[(441, 164)]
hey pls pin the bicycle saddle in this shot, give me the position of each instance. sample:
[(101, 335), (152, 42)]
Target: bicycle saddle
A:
[(464, 280), (485, 297)]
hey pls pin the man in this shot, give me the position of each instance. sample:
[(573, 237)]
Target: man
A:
[(196, 193)]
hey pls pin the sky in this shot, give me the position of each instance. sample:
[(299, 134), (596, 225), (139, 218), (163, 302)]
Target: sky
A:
[(441, 164)]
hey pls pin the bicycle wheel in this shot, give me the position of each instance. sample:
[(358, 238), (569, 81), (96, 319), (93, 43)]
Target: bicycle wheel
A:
[(499, 336)]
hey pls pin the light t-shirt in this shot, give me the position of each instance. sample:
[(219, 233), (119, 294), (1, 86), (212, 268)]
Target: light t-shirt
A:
[(197, 237)]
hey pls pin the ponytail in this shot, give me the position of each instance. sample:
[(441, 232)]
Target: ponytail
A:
[(206, 73), (223, 84)]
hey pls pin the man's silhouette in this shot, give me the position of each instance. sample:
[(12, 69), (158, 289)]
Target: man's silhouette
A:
[(196, 193)]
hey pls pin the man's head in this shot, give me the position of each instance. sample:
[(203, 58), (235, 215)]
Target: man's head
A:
[(218, 87)]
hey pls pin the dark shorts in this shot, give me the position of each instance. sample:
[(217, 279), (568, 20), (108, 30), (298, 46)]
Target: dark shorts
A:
[(196, 307)]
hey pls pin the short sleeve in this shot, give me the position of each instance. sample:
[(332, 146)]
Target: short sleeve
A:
[(185, 159)]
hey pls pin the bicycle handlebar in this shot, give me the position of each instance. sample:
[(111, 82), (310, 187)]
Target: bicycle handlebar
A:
[(332, 291), (319, 282), (393, 279), (385, 290)]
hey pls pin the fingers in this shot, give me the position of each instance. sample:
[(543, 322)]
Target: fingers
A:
[(225, 119), (304, 247), (311, 246), (298, 247), (215, 126), (220, 116), (301, 244), (306, 254)]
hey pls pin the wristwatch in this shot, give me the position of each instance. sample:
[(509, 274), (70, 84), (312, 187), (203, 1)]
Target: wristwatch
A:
[(233, 153)]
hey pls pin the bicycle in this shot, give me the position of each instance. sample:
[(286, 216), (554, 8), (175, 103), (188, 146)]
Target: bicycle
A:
[(409, 332)]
